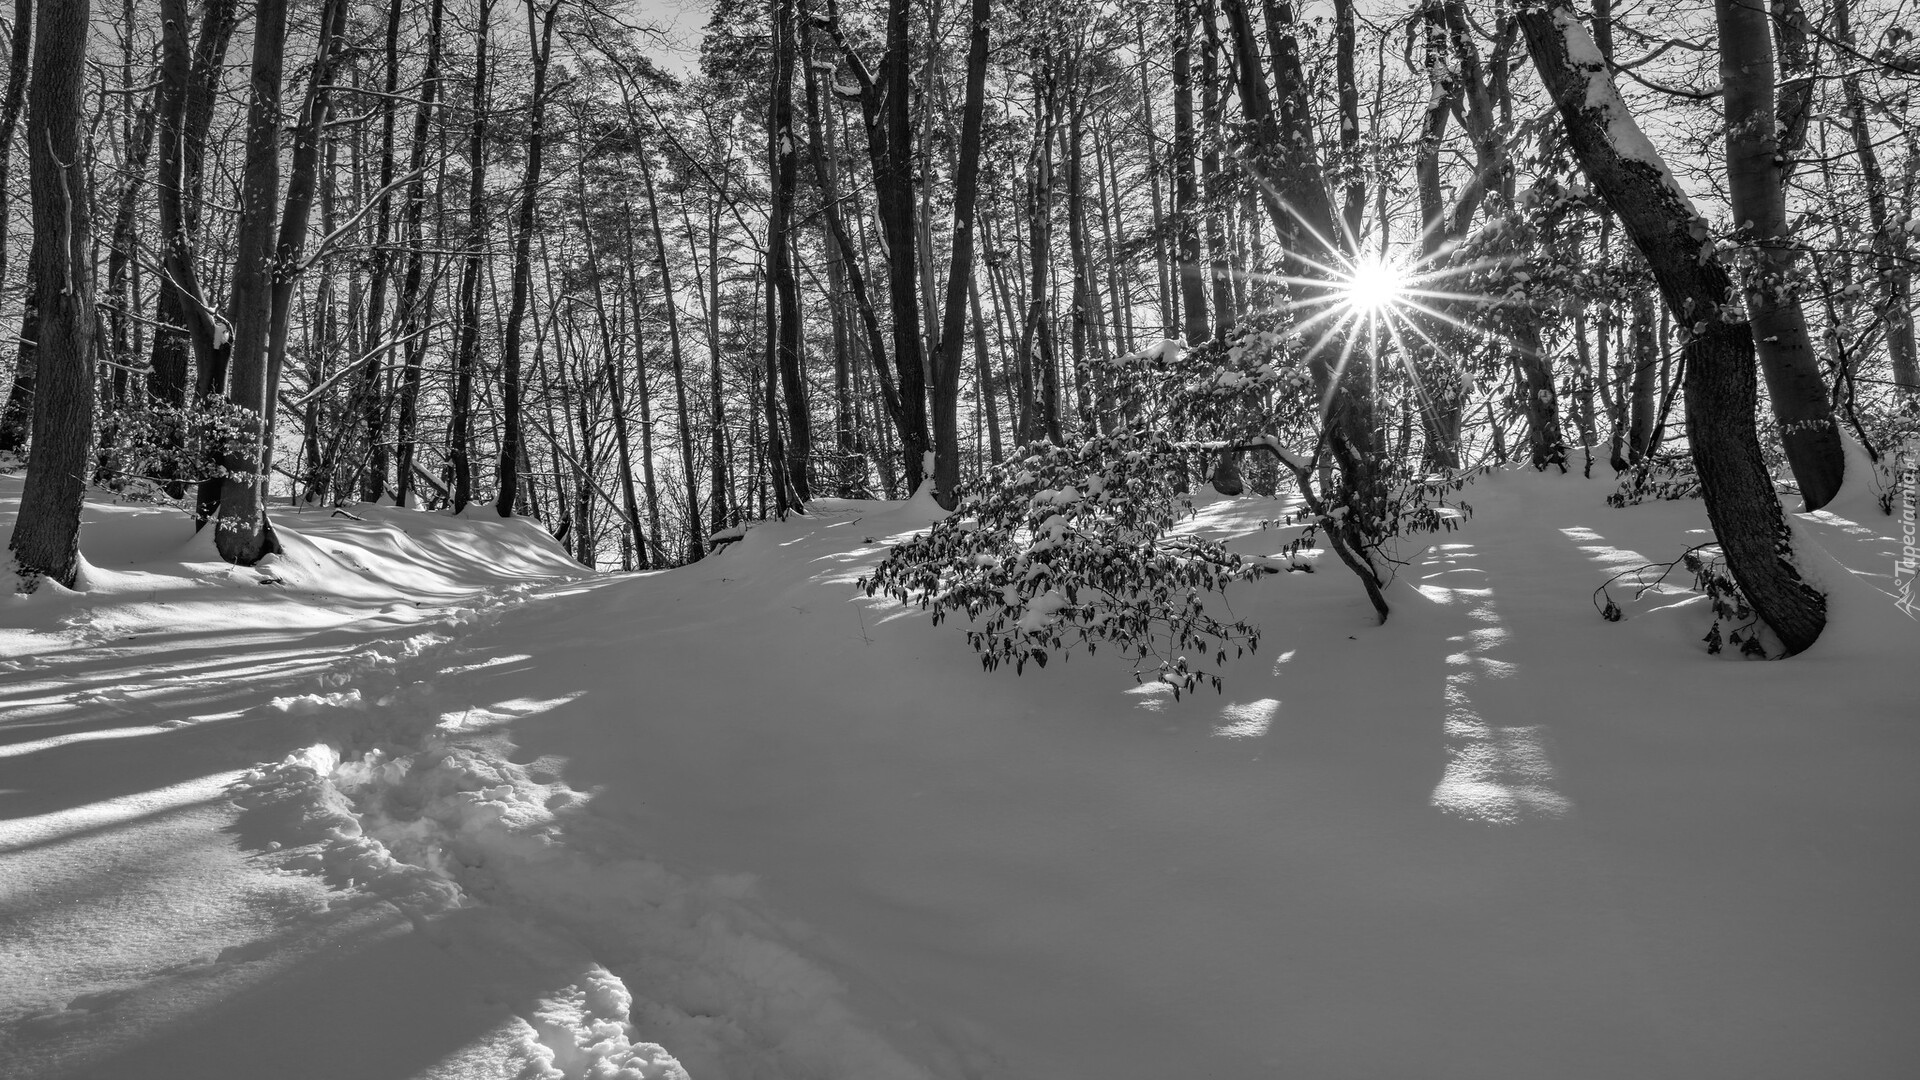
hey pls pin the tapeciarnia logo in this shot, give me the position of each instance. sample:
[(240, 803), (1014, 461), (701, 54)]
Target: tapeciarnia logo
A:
[(1906, 566)]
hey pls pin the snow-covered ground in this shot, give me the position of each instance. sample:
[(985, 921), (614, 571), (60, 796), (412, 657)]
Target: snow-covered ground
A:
[(423, 798)]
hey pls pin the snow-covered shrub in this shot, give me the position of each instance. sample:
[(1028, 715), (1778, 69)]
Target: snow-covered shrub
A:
[(155, 442), (1064, 548), (1664, 475)]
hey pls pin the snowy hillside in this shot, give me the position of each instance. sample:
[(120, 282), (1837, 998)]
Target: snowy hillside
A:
[(423, 798)]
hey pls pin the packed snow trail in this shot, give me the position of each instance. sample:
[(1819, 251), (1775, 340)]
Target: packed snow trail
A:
[(151, 927), (736, 819)]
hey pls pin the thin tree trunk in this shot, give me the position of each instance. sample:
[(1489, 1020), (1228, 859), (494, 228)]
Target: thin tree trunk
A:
[(1186, 197), (696, 549), (947, 357), (183, 112), (370, 397), (413, 305), (1212, 184), (784, 166), (1889, 239), (884, 104), (512, 441), (467, 359)]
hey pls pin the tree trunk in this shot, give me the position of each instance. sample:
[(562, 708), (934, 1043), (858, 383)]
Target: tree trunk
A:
[(1213, 185), (1755, 191), (241, 535), (696, 549), (1720, 384), (370, 399), (784, 167), (46, 535), (1643, 354), (460, 429), (947, 357), (885, 107), (1889, 239), (820, 129), (512, 442), (412, 306), (1186, 195)]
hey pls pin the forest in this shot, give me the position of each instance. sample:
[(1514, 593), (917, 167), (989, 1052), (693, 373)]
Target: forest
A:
[(959, 539), (538, 257)]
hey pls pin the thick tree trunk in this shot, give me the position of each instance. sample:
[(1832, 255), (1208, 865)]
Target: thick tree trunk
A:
[(46, 535), (1721, 390), (242, 537), (1754, 187)]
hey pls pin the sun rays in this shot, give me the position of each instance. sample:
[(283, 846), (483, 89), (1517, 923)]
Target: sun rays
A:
[(1388, 308), (1373, 285)]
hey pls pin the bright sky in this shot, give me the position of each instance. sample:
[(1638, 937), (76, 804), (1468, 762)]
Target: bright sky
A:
[(682, 20)]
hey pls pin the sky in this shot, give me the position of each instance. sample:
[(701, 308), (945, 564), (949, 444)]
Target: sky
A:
[(681, 20)]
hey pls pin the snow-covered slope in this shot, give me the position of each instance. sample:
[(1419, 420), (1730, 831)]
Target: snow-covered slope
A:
[(440, 804)]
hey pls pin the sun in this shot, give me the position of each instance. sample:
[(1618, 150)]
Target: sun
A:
[(1372, 285)]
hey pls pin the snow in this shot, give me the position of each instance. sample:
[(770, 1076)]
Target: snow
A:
[(439, 803)]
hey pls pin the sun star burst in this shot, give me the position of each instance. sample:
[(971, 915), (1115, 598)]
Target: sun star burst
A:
[(1373, 286)]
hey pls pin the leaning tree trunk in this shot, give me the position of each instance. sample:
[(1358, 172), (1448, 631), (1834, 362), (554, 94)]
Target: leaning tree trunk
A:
[(1282, 153), (1721, 388), (1780, 337), (46, 535)]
